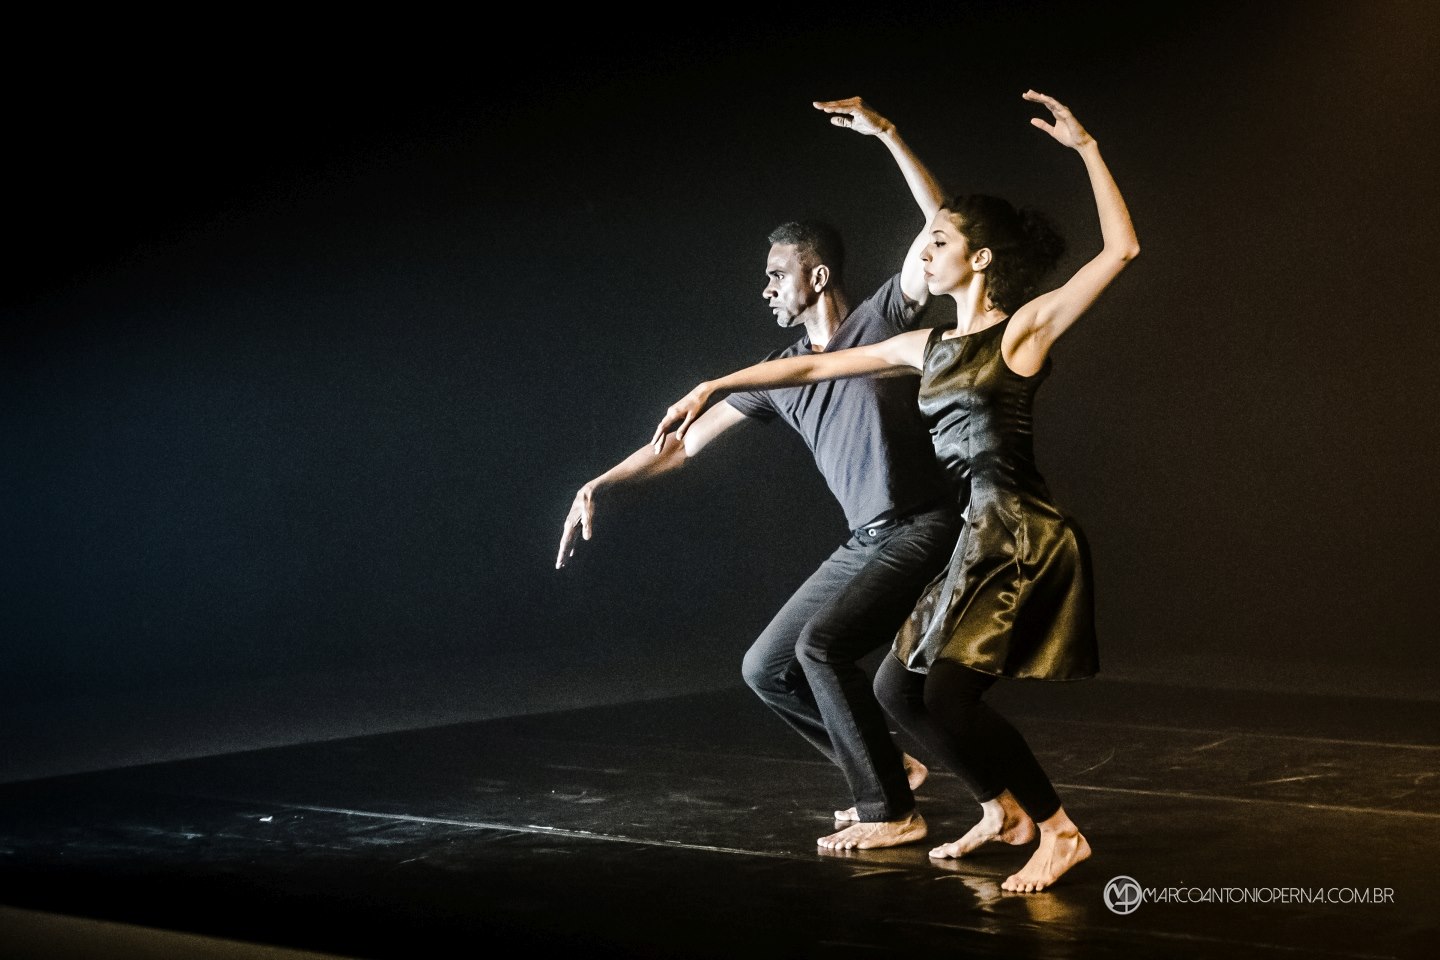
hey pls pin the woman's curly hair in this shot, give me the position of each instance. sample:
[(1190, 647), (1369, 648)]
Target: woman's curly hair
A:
[(1024, 243)]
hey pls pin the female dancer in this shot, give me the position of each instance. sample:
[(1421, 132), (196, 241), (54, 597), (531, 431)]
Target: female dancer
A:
[(1016, 598)]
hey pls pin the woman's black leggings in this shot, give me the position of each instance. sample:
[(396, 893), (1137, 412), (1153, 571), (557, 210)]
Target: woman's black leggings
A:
[(943, 712)]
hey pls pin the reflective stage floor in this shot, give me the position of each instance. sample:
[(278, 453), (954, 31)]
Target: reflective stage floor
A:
[(686, 828)]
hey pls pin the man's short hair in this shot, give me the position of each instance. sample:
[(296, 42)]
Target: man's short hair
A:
[(816, 243)]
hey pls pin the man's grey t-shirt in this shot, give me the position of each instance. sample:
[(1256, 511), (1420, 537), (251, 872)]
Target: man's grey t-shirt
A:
[(865, 433)]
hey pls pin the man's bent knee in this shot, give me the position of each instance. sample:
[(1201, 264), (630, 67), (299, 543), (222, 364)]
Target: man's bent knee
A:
[(824, 644), (762, 675)]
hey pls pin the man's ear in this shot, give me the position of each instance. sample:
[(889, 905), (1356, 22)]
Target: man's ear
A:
[(820, 278)]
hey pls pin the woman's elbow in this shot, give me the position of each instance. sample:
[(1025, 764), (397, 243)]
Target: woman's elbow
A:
[(1116, 256)]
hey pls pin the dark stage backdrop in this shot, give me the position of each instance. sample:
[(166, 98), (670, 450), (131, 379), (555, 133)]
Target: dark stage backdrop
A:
[(306, 351)]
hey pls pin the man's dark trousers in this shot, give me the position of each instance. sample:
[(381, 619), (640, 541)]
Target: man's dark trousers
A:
[(805, 664)]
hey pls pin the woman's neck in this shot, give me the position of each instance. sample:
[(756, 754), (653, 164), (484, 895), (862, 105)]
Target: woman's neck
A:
[(973, 309)]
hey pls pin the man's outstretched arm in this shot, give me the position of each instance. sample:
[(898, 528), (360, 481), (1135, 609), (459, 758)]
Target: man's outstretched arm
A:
[(855, 114), (642, 465)]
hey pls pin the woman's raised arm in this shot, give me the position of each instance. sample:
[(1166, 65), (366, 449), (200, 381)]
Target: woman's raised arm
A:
[(853, 113), (1038, 324)]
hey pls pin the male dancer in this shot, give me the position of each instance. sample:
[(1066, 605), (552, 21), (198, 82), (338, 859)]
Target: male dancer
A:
[(869, 443)]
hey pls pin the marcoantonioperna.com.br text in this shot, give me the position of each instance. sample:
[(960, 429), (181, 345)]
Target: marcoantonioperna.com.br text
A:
[(1269, 894)]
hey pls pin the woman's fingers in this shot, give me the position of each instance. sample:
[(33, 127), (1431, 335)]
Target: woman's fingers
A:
[(851, 113), (684, 426), (672, 417), (683, 414), (1051, 104), (1066, 128)]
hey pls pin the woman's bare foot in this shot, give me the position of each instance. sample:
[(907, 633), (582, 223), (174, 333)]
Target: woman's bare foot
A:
[(916, 773), (1001, 821), (872, 835), (1062, 845)]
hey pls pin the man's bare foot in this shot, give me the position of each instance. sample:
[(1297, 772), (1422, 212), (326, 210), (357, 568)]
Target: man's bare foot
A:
[(1057, 853), (872, 835), (916, 773), (1001, 821)]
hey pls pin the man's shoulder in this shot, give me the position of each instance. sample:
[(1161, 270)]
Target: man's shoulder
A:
[(885, 312), (789, 350), (758, 403)]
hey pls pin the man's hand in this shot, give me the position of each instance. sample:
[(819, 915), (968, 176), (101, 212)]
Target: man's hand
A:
[(855, 114), (581, 519)]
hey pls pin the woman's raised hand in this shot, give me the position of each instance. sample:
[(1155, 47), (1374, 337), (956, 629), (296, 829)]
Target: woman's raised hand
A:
[(1066, 128), (855, 114), (681, 415)]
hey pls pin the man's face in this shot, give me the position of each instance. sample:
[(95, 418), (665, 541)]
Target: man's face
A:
[(789, 286)]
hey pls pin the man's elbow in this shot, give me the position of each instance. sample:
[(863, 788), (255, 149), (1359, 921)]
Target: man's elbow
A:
[(691, 445)]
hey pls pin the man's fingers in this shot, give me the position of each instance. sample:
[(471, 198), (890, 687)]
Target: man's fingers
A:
[(564, 545), (841, 121), (836, 106), (587, 520), (1047, 127)]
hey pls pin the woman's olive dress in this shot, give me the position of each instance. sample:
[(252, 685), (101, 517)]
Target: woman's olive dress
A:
[(1016, 598)]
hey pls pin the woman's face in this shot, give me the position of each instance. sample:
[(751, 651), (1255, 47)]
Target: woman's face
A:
[(949, 263)]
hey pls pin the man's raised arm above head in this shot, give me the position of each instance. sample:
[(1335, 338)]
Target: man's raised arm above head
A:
[(642, 465)]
